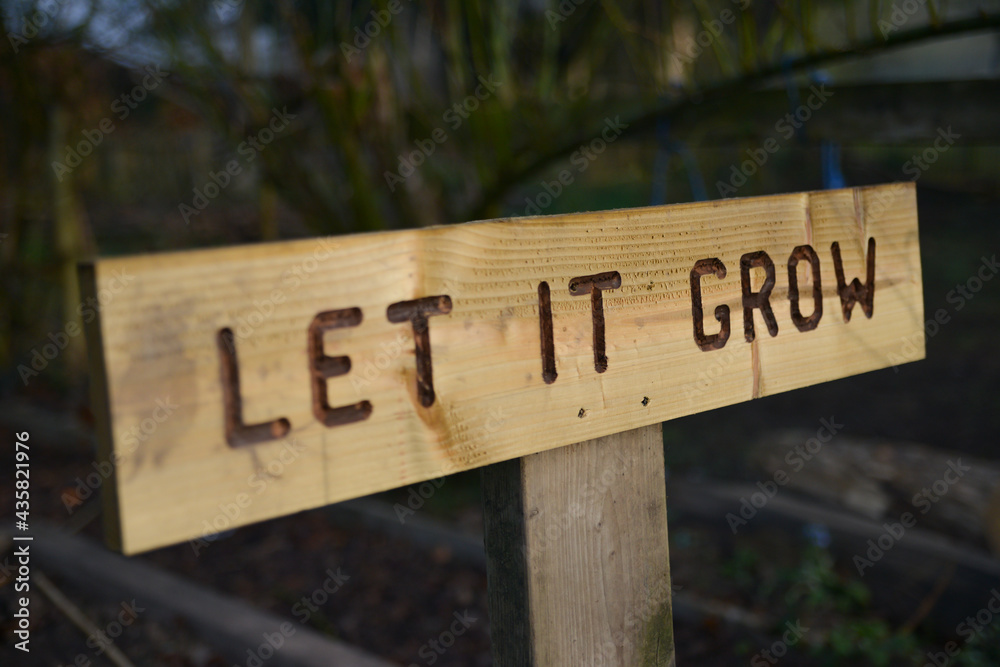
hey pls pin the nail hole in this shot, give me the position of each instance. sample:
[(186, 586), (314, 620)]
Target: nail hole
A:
[(645, 400), (582, 413)]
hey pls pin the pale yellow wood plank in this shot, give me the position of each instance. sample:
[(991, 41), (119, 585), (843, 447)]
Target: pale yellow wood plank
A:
[(180, 478), (577, 555)]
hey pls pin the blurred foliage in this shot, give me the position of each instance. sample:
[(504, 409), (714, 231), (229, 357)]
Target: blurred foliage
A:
[(841, 605), (374, 84), (836, 607), (377, 90)]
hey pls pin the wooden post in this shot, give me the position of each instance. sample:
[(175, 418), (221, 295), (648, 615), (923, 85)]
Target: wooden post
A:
[(577, 558)]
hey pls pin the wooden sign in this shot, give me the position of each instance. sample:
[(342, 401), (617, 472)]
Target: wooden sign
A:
[(244, 383)]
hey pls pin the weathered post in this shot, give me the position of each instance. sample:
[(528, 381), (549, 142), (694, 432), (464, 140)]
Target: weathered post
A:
[(577, 557)]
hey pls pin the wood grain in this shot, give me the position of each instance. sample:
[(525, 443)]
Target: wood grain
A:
[(177, 478), (577, 555)]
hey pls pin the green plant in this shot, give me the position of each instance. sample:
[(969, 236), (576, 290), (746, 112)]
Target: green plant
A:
[(839, 606)]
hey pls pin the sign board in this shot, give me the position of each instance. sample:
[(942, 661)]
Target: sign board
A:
[(244, 383)]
